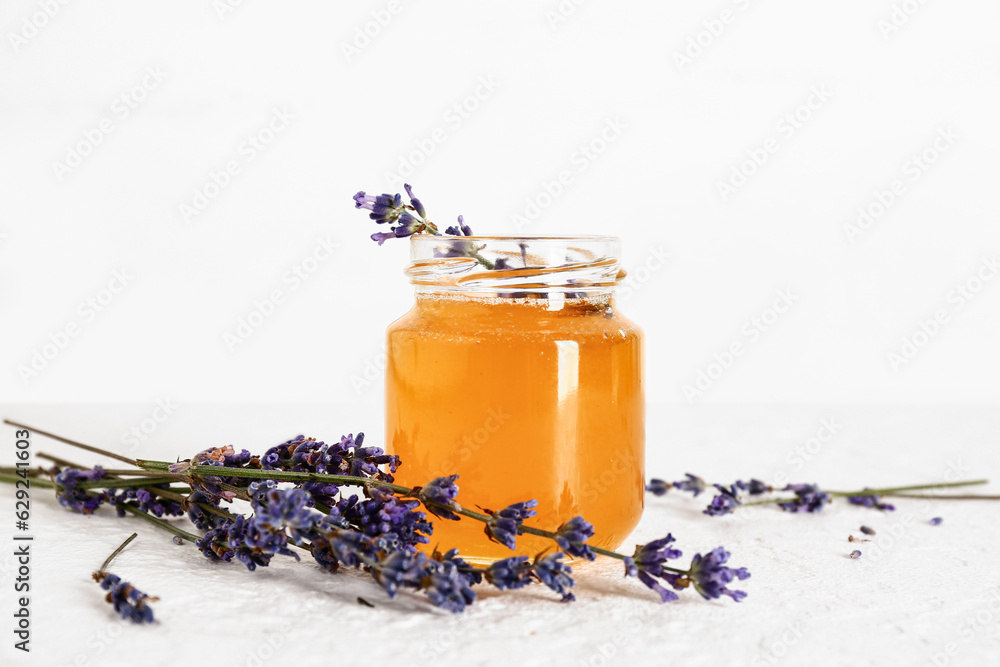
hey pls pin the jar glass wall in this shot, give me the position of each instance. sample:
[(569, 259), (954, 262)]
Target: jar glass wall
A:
[(516, 371)]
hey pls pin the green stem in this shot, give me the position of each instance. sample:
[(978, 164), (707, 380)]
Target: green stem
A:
[(346, 480), (159, 523), (74, 443), (40, 482), (124, 483), (888, 491), (107, 561), (891, 491)]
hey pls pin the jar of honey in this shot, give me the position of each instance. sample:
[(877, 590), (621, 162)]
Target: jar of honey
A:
[(516, 371)]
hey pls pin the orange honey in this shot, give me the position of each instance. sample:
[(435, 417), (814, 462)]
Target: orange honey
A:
[(522, 397)]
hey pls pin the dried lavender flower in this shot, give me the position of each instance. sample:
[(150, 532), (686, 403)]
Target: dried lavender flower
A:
[(509, 573), (808, 498), (551, 571), (658, 487), (572, 538), (649, 563), (438, 496), (504, 526), (130, 603), (936, 521), (872, 501), (724, 503), (711, 576), (79, 500)]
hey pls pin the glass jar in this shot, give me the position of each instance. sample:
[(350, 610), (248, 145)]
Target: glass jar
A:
[(515, 370)]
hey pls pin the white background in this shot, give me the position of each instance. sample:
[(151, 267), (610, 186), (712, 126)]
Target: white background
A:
[(361, 109)]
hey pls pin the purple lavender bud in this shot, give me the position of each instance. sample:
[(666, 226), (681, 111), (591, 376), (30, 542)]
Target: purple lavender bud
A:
[(572, 538), (509, 573), (936, 521), (552, 572), (439, 495), (710, 575), (724, 503), (130, 603), (871, 501), (145, 500), (79, 500), (400, 569), (647, 563), (361, 200), (504, 526), (414, 202), (693, 484), (809, 498), (448, 583), (658, 487)]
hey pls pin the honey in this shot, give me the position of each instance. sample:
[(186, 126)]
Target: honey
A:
[(532, 396)]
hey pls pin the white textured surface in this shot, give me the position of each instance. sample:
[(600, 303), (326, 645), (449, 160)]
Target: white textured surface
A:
[(916, 593)]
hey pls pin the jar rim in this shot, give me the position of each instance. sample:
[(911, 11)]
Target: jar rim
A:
[(585, 265)]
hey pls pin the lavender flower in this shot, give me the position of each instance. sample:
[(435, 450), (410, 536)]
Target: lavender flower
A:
[(392, 522), (936, 521), (552, 572), (145, 500), (439, 495), (277, 509), (79, 500), (510, 573), (130, 603), (855, 554), (251, 543), (649, 561), (222, 457), (384, 208), (658, 487), (808, 498), (710, 575), (332, 546), (414, 202), (725, 502), (461, 229), (504, 526), (572, 538), (347, 457), (874, 502), (400, 569), (389, 209), (254, 544), (214, 544), (448, 583), (692, 484), (754, 487), (200, 517), (867, 531)]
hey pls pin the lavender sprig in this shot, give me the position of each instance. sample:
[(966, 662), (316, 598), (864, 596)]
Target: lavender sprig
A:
[(130, 603), (378, 531), (807, 498), (407, 219), (390, 209)]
